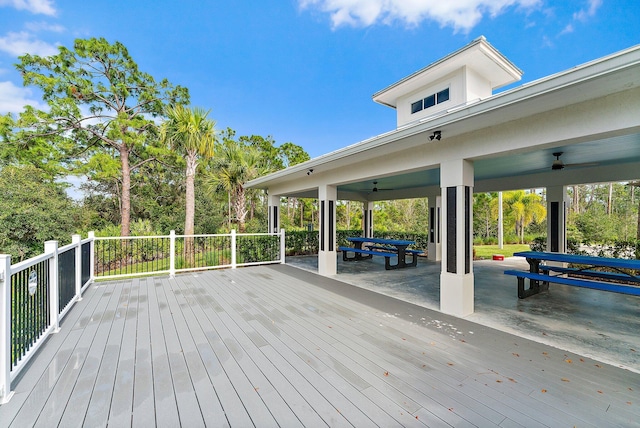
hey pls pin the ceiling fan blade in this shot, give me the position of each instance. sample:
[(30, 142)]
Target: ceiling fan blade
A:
[(558, 164), (571, 165)]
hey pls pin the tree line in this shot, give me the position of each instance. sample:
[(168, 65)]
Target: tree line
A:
[(138, 146)]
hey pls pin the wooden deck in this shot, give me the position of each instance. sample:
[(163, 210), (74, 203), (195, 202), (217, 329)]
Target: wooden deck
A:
[(278, 346)]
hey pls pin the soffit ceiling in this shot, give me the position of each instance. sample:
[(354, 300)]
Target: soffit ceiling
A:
[(593, 156)]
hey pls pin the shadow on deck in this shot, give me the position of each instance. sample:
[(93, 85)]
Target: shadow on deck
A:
[(279, 346)]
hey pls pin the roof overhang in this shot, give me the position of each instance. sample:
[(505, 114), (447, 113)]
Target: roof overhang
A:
[(478, 55), (616, 73)]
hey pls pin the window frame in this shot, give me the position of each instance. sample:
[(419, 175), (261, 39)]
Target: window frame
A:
[(435, 98)]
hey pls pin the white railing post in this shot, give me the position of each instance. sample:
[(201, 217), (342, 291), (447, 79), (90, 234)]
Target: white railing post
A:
[(75, 239), (233, 249), (282, 246), (5, 328), (172, 254), (51, 247), (92, 256)]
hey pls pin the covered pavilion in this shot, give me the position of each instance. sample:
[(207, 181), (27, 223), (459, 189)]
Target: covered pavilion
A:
[(455, 135)]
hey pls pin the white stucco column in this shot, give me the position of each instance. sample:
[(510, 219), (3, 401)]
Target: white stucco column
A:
[(327, 255), (273, 202), (456, 278), (557, 202), (434, 247), (367, 219)]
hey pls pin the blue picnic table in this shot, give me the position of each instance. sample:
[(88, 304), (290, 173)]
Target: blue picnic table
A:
[(584, 272), (366, 248)]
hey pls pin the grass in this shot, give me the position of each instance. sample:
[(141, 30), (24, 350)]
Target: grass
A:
[(487, 251), (206, 259)]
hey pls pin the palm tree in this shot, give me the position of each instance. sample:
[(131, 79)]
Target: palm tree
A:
[(234, 165), (522, 208), (191, 134)]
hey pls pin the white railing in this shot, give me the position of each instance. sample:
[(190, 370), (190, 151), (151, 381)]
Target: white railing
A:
[(37, 293), (116, 257), (33, 300)]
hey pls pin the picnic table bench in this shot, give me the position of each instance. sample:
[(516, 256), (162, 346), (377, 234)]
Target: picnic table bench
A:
[(386, 248), (540, 273)]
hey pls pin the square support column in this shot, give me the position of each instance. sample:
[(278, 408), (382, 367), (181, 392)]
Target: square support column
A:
[(557, 201), (327, 254), (367, 219), (434, 247), (274, 213), (456, 278)]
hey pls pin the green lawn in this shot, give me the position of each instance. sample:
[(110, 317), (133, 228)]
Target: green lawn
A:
[(487, 251)]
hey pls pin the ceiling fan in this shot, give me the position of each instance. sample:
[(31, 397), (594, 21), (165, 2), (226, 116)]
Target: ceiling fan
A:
[(558, 164), (375, 187)]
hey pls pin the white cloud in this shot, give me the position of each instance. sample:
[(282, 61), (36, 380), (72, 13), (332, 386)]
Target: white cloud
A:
[(44, 7), (43, 26), (462, 15), (567, 30), (585, 14), (23, 42), (13, 98)]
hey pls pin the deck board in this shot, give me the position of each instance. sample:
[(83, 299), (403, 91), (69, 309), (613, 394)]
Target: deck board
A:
[(276, 346), (81, 395), (143, 411), (123, 387)]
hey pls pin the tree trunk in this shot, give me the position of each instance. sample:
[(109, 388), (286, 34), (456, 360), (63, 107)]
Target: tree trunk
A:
[(610, 200), (348, 215), (301, 202), (125, 206), (240, 208), (190, 202)]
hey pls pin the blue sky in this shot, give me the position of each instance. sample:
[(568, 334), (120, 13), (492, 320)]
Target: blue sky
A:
[(305, 70)]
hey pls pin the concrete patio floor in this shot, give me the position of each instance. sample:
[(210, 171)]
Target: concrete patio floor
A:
[(601, 325)]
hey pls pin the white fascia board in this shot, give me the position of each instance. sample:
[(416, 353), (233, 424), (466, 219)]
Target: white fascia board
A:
[(610, 64)]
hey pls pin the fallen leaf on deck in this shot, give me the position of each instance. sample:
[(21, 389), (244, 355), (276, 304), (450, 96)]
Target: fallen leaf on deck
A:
[(450, 364), (598, 366), (633, 350), (512, 380), (386, 373), (569, 361), (544, 390), (629, 402), (515, 355), (600, 392), (582, 360), (499, 381), (564, 379)]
